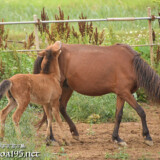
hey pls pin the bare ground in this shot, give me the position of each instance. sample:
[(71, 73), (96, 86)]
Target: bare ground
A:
[(96, 140)]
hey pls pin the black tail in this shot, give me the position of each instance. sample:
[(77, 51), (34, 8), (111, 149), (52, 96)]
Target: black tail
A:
[(147, 78), (4, 87)]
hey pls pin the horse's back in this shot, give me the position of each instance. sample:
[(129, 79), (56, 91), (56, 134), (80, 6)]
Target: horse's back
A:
[(94, 70)]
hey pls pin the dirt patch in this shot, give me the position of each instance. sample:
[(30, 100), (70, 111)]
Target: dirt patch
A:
[(96, 140)]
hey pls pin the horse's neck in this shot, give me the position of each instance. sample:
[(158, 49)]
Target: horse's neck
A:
[(54, 68)]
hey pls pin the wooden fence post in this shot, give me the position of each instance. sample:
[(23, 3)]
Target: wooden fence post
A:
[(36, 32), (150, 38)]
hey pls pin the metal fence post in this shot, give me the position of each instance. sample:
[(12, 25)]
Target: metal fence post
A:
[(150, 37), (36, 32)]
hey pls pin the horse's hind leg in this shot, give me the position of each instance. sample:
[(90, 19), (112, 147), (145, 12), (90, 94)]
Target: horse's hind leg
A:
[(50, 140), (3, 115), (66, 94), (119, 113), (128, 97), (22, 105)]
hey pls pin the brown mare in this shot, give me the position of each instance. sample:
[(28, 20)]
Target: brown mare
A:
[(43, 89), (98, 70)]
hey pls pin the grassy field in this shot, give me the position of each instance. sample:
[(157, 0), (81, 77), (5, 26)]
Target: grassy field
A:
[(14, 10), (80, 108)]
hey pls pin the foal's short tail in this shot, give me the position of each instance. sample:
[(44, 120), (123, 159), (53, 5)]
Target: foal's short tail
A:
[(4, 87), (147, 78)]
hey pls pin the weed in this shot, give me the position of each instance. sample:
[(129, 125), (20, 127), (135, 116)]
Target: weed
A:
[(44, 26), (30, 41), (93, 118), (121, 155), (90, 130), (3, 37)]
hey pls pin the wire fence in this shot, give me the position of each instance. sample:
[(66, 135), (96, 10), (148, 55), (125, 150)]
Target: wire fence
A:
[(81, 20), (36, 21)]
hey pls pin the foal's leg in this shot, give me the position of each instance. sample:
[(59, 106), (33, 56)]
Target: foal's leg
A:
[(66, 94), (128, 97), (119, 113), (59, 120), (3, 115), (22, 105), (50, 140)]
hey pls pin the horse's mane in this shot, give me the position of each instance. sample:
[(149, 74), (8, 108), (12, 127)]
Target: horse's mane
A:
[(37, 64)]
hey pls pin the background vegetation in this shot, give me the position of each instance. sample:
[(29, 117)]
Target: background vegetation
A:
[(80, 108)]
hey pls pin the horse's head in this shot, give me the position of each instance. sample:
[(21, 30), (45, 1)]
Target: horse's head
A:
[(50, 55)]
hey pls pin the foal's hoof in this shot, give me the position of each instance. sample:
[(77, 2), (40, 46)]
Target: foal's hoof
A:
[(121, 143), (75, 137), (64, 142), (148, 142), (51, 143), (1, 139), (54, 143)]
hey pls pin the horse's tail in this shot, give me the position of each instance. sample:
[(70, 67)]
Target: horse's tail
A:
[(4, 87), (42, 121), (147, 78)]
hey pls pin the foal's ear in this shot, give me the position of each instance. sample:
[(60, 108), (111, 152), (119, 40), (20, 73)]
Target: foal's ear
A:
[(41, 54), (57, 46)]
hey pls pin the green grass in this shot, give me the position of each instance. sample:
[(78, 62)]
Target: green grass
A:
[(15, 10), (96, 109), (121, 155)]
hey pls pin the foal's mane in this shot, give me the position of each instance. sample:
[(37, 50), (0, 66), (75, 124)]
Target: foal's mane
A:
[(37, 64)]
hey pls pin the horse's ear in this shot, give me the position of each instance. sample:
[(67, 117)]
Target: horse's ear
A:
[(57, 46)]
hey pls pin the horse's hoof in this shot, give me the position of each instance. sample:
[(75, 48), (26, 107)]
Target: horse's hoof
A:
[(121, 143), (148, 142), (75, 137), (1, 139)]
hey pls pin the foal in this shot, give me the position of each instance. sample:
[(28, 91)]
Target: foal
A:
[(43, 88)]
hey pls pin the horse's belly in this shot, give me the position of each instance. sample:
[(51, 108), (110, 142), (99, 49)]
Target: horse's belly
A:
[(91, 87)]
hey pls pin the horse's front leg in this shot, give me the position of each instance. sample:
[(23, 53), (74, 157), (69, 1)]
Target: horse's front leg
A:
[(66, 94)]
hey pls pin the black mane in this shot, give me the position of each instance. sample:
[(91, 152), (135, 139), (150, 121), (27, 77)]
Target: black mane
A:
[(49, 56), (37, 64)]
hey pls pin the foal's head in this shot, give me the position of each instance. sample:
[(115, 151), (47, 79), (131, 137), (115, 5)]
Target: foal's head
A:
[(50, 58)]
